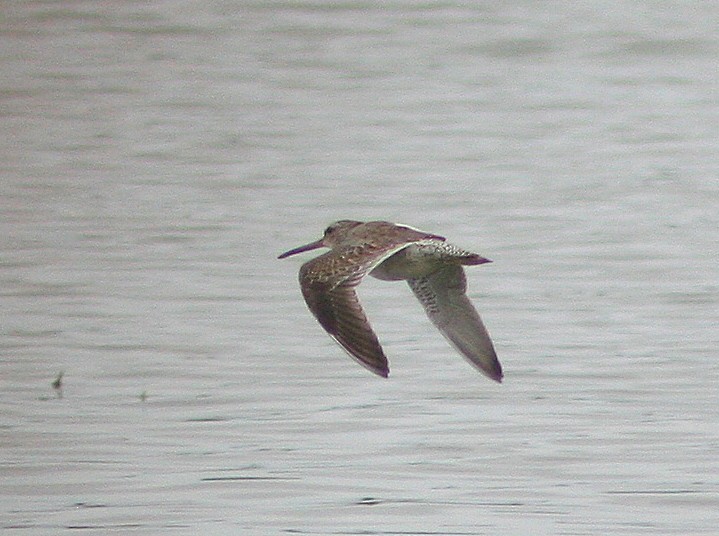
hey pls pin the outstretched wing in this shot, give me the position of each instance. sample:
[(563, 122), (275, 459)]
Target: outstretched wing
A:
[(328, 285), (443, 295)]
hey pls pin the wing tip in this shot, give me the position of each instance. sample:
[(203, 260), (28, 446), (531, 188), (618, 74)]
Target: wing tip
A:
[(377, 364), (495, 372), (381, 370)]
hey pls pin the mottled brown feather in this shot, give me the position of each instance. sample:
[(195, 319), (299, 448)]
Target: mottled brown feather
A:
[(328, 285)]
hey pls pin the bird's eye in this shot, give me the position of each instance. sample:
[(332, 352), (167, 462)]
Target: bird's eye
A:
[(329, 230)]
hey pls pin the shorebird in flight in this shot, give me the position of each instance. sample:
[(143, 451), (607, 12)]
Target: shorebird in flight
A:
[(393, 252)]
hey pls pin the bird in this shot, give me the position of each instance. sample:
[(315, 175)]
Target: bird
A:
[(432, 267)]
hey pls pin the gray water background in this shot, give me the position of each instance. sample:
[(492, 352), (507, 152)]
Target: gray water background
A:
[(157, 156)]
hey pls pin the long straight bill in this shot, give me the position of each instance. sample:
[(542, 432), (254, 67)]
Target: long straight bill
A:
[(306, 247)]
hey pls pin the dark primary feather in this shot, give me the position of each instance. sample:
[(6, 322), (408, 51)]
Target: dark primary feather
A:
[(338, 310), (328, 286)]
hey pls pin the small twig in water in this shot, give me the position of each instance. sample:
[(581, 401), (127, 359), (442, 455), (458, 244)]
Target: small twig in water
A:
[(57, 384)]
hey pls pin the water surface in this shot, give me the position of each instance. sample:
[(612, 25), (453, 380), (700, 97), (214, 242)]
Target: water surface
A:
[(158, 156)]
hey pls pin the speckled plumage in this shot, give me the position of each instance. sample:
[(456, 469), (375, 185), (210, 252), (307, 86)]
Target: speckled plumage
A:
[(388, 251)]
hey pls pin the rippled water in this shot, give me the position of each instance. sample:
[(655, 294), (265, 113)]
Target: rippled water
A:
[(156, 158)]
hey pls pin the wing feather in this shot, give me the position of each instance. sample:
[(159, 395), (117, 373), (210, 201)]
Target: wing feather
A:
[(328, 285), (443, 295)]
